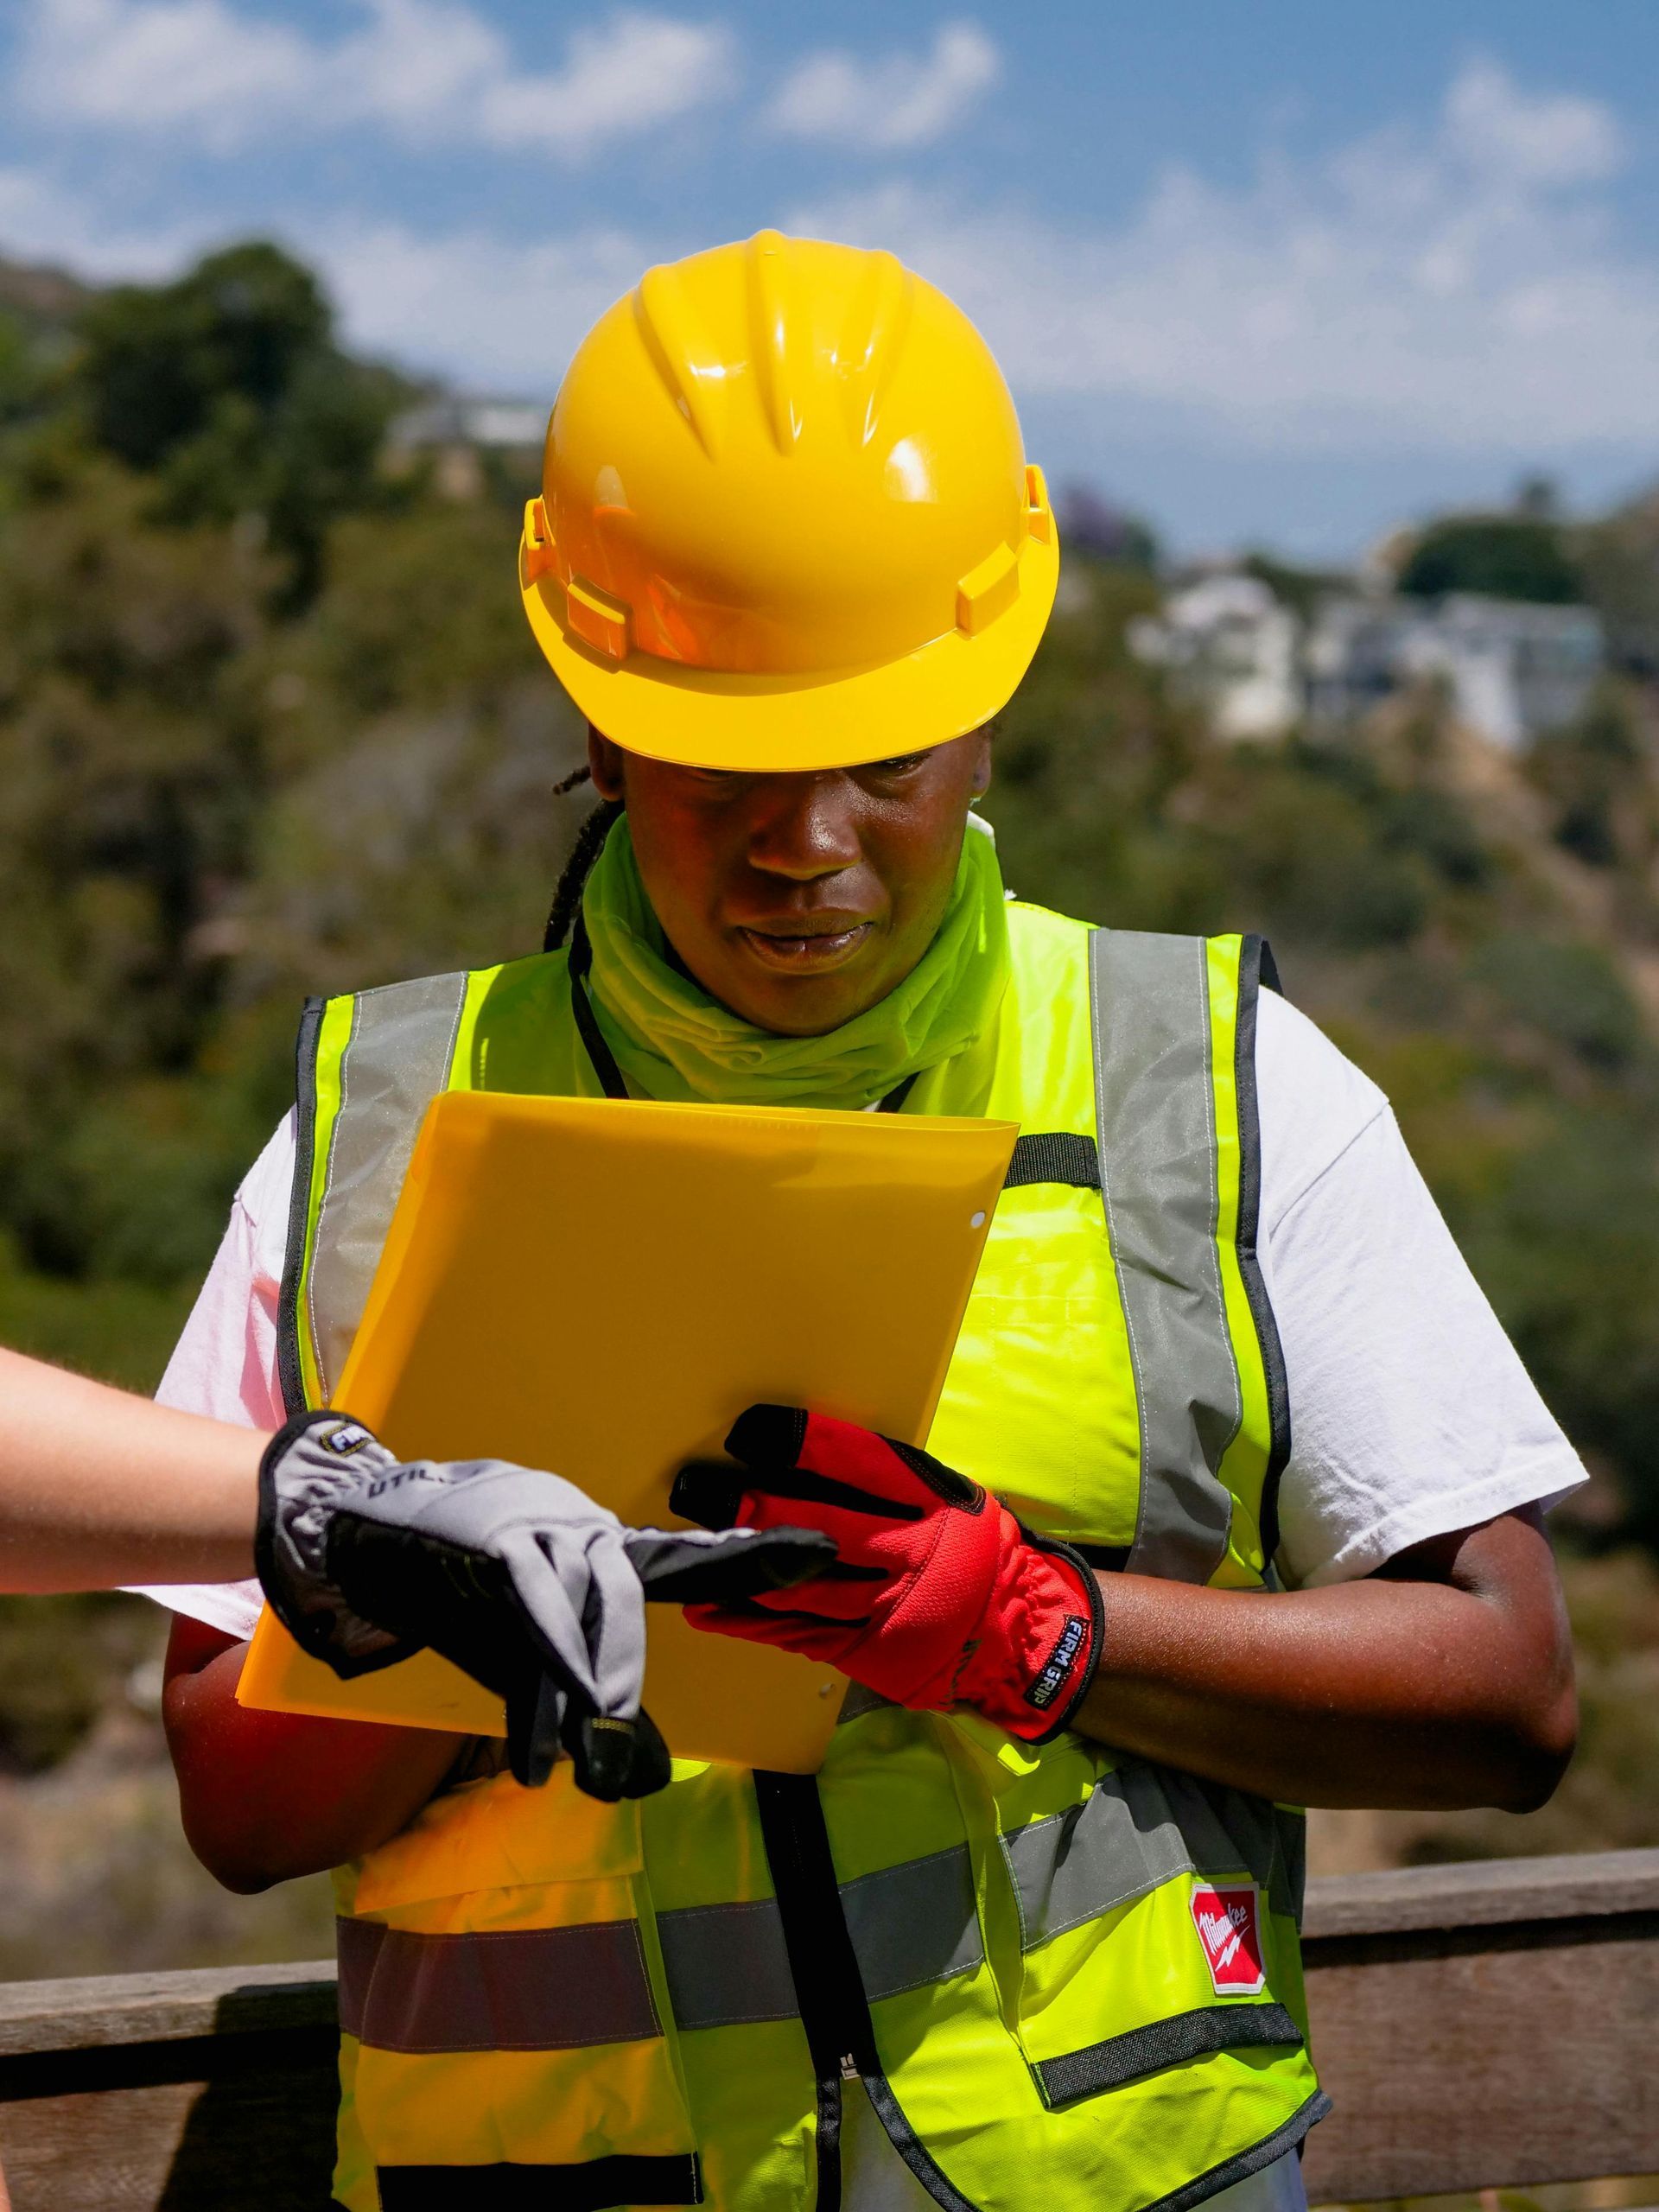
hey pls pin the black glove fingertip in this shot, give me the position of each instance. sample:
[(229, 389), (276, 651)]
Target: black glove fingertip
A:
[(708, 1491), (768, 1436)]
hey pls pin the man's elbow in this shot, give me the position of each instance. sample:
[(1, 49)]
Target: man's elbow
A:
[(238, 1859), (1539, 1748), (241, 1877)]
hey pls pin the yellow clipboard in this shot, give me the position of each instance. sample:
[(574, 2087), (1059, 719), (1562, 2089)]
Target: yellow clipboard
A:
[(599, 1286)]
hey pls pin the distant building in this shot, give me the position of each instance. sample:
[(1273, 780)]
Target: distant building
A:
[(456, 419), (454, 430), (1511, 669), (1232, 647)]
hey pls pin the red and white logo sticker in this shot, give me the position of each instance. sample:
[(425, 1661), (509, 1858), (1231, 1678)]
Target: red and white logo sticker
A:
[(1228, 1917)]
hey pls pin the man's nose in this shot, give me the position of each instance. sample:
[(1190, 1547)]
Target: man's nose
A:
[(805, 827)]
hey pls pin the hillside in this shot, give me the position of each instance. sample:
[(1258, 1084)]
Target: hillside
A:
[(45, 299)]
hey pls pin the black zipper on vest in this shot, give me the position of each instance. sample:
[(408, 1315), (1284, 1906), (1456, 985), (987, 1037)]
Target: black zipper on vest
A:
[(835, 2012)]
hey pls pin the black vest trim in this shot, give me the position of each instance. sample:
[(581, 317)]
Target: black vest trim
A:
[(835, 2009), (594, 2185), (1265, 2153), (1256, 967), (290, 1375)]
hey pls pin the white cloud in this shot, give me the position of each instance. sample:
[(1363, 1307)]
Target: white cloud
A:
[(1554, 139), (892, 105), (1453, 288), (503, 316), (1458, 290), (41, 222), (639, 71), (426, 69)]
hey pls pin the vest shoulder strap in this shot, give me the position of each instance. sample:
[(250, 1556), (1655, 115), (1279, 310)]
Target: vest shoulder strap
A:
[(1173, 1023), (367, 1066)]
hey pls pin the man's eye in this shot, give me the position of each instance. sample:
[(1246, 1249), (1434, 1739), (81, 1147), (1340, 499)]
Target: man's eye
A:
[(897, 763)]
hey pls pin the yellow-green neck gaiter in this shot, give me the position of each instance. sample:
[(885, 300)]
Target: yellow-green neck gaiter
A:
[(673, 1041)]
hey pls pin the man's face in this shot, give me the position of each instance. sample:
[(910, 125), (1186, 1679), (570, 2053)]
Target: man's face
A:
[(799, 901)]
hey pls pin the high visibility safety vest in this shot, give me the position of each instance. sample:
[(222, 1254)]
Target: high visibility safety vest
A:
[(1065, 1976)]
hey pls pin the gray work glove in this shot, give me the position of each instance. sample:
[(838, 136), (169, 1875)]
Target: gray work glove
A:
[(517, 1576)]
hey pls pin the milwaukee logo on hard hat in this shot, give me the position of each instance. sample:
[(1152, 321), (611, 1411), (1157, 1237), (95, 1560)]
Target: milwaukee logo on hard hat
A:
[(1228, 1918)]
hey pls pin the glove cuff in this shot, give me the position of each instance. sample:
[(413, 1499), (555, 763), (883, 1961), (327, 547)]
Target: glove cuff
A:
[(1076, 1687), (1032, 1666), (311, 1467)]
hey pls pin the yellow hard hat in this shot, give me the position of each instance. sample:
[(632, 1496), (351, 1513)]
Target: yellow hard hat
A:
[(786, 520)]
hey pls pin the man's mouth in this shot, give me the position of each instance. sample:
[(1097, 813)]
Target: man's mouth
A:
[(807, 952)]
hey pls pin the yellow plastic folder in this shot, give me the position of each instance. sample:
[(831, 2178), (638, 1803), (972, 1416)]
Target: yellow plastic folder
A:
[(599, 1286)]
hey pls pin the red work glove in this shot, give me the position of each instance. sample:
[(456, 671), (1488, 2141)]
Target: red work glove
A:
[(939, 1596)]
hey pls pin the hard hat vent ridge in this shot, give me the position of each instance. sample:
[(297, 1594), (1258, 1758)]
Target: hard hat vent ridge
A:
[(873, 339), (682, 352), (774, 321)]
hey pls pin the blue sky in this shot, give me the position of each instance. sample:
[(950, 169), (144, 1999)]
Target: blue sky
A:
[(1281, 272)]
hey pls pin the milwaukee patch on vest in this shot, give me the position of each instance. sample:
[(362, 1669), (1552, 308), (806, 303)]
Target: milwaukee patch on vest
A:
[(1228, 1918)]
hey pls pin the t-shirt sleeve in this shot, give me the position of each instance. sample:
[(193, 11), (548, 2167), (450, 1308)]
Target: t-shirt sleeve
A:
[(225, 1361), (1411, 1412)]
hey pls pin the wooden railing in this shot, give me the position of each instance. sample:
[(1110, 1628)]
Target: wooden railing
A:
[(1479, 2026)]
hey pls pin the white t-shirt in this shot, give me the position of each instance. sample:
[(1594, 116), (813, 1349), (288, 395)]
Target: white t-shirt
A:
[(1410, 1413)]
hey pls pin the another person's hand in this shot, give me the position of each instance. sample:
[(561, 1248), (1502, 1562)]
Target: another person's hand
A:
[(516, 1575), (940, 1598)]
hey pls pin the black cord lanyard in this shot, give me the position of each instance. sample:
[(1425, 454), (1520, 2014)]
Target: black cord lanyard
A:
[(604, 1060), (587, 1028)]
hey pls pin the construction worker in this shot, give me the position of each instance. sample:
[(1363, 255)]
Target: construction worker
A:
[(1232, 1502)]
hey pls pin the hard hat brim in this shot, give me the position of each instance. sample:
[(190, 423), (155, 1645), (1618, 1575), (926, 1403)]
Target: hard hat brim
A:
[(705, 718)]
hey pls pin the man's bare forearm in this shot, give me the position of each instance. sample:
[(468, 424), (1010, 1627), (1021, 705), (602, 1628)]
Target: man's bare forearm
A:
[(1449, 1690), (98, 1488)]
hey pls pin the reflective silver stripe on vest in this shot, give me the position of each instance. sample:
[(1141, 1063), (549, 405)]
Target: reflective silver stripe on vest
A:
[(397, 1058), (1155, 1114), (1138, 1828), (726, 1964), (910, 1924), (506, 1989), (913, 1924)]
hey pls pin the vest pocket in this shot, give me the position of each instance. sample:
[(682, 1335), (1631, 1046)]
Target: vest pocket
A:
[(506, 2041), (1157, 1926), (1131, 2056)]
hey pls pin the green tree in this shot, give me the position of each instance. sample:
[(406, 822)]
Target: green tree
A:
[(227, 388), (1507, 556)]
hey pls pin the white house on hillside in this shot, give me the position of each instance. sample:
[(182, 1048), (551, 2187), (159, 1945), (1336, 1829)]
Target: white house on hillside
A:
[(1513, 669), (1232, 645)]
